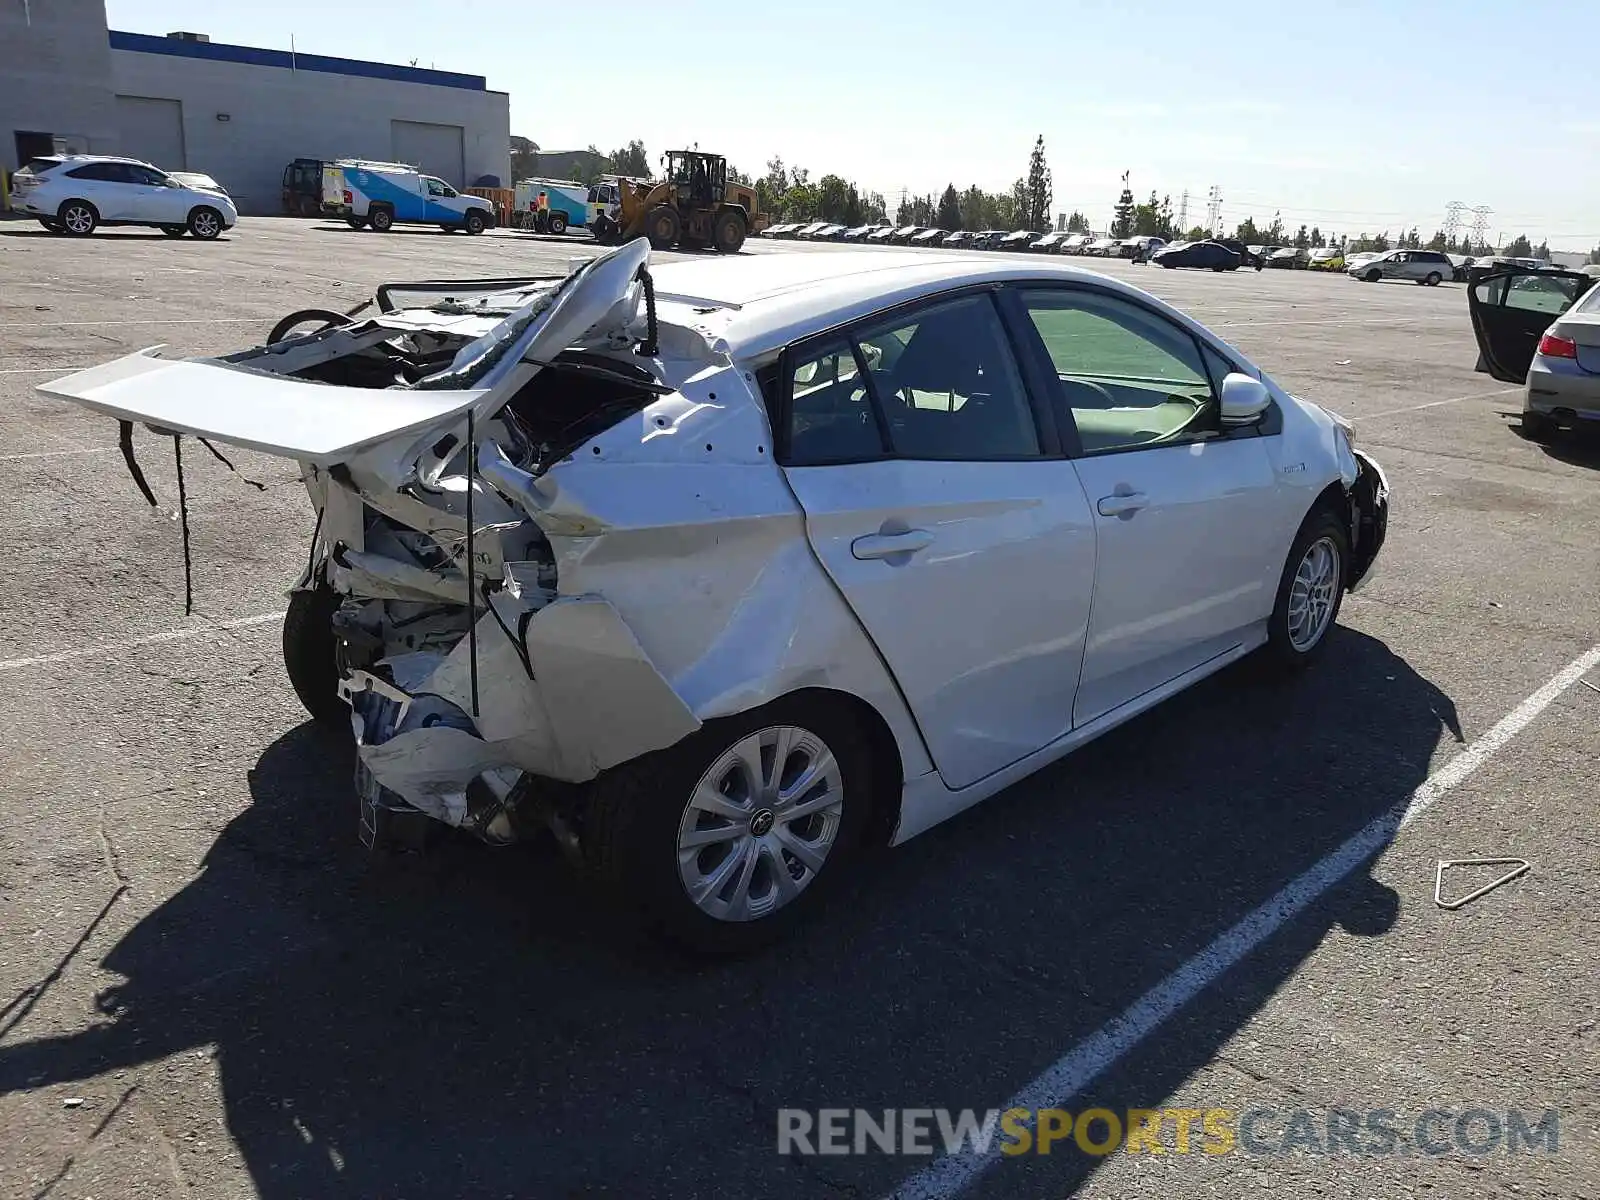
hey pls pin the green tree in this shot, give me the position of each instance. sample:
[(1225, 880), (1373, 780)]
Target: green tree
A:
[(949, 214), (1077, 223), (1518, 247), (773, 187), (800, 203), (1316, 237), (630, 160), (1122, 213), (1594, 255), (1274, 233), (1197, 234), (1302, 239), (833, 197), (1248, 233), (874, 209), (1542, 251), (1038, 191)]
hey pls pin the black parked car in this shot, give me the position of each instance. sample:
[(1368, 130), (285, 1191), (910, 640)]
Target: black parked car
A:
[(1202, 256)]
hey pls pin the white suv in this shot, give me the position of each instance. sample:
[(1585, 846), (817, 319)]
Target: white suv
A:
[(78, 193)]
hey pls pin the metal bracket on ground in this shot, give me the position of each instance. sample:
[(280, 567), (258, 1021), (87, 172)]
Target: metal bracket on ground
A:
[(1519, 866)]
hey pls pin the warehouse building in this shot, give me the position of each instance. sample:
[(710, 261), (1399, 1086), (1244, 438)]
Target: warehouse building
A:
[(239, 113)]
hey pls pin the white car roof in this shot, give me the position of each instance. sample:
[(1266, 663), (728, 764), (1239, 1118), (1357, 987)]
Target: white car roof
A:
[(762, 302)]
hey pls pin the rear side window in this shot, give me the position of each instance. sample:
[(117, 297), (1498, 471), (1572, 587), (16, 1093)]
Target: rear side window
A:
[(101, 172), (830, 411), (38, 166), (948, 386)]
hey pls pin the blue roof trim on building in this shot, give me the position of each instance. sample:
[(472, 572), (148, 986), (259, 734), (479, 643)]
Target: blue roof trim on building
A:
[(257, 57)]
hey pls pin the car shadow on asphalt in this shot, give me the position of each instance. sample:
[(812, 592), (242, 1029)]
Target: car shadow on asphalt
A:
[(1575, 447), (471, 1021)]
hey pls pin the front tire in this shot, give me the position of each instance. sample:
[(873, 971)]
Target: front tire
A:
[(724, 841), (663, 227), (205, 224), (558, 223), (1310, 591), (310, 656), (1372, 276), (473, 222)]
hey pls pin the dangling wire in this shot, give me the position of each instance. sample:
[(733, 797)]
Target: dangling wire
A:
[(183, 519), (472, 591), (649, 348)]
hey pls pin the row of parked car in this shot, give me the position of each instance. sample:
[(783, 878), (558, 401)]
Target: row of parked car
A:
[(968, 239)]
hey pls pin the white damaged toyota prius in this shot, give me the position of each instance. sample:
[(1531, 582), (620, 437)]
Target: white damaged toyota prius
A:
[(729, 570)]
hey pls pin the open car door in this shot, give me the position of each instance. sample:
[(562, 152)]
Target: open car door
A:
[(1511, 308)]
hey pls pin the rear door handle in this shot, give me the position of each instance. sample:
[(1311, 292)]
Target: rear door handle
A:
[(887, 545), (1122, 505)]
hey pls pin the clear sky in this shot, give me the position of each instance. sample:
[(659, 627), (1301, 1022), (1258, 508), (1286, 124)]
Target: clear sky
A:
[(1358, 116)]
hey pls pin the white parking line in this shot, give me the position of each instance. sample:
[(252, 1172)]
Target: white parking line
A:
[(1089, 1059), (165, 321), (1389, 412), (40, 370), (198, 629), (57, 453)]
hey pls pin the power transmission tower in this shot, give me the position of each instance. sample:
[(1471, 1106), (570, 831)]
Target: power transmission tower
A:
[(1214, 210), (1452, 219), (1480, 224), (1183, 212)]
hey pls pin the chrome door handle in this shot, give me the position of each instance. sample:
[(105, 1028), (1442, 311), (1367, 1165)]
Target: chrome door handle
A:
[(887, 545), (1122, 504)]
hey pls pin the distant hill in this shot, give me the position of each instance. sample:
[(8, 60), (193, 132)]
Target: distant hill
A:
[(528, 161)]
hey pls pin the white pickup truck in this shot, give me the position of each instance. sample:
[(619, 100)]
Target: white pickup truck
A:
[(382, 195)]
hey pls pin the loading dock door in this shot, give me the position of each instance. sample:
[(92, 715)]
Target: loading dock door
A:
[(152, 130), (436, 149)]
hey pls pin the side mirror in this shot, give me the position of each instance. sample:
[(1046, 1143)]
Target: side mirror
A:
[(1244, 400)]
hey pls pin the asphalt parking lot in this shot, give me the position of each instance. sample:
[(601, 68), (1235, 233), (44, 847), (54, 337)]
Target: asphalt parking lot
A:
[(207, 989)]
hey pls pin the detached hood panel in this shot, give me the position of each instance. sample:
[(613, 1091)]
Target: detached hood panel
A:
[(275, 414)]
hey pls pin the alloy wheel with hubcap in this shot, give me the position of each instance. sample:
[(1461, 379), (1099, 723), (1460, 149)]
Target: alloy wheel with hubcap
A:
[(78, 219), (1310, 590), (760, 823), (1316, 580), (205, 224)]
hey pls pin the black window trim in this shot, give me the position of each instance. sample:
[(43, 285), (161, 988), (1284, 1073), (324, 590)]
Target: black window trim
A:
[(1045, 425)]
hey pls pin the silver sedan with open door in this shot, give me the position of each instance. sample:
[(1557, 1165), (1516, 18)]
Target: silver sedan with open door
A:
[(1542, 329)]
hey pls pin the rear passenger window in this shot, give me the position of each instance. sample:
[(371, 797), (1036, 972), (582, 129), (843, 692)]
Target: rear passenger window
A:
[(830, 412), (948, 386), (100, 172)]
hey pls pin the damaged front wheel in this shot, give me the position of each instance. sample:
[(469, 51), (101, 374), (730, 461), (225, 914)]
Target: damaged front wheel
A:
[(725, 840)]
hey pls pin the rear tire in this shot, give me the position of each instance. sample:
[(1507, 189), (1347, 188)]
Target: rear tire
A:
[(382, 220), (473, 222), (310, 656), (1310, 592), (639, 815), (1433, 279), (78, 218), (1537, 427), (558, 223), (728, 232), (205, 224), (356, 222)]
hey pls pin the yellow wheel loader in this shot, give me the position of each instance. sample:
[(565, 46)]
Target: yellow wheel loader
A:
[(694, 206)]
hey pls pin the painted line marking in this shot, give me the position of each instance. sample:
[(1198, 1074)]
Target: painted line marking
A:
[(1092, 1057), (171, 635), (57, 453), (1389, 412), (1388, 321), (40, 370), (142, 321)]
